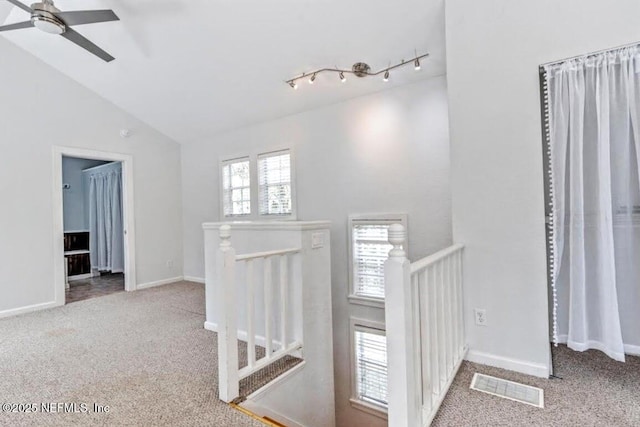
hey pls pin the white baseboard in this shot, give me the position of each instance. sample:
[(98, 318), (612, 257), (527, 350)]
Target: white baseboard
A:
[(159, 283), (632, 350), (194, 279), (46, 305), (523, 366), (242, 335), (210, 326), (29, 309)]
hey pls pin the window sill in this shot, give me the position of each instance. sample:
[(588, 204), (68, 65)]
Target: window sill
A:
[(267, 217), (369, 302), (253, 217), (369, 408)]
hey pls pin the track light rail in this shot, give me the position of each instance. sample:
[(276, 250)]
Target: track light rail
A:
[(359, 69)]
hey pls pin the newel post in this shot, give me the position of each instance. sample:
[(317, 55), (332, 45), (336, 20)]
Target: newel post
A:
[(228, 380), (403, 377)]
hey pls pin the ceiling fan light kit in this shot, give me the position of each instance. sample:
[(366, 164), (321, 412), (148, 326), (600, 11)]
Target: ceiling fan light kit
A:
[(44, 18), (49, 19), (359, 69)]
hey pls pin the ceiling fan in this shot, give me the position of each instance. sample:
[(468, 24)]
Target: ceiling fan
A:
[(46, 17)]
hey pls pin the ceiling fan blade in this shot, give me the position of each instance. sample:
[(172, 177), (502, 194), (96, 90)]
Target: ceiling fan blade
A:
[(21, 5), (80, 17), (83, 42), (16, 26)]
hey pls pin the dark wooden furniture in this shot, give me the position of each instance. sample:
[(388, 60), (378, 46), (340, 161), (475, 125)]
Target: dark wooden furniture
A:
[(76, 252)]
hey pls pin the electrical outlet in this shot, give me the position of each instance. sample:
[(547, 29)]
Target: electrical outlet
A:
[(480, 315), (170, 264)]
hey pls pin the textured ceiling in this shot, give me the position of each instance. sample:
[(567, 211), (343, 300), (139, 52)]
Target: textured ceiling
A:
[(194, 68)]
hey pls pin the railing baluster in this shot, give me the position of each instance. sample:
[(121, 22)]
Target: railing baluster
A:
[(284, 299), (251, 335), (461, 342), (417, 334), (268, 304), (442, 327), (425, 338), (447, 315), (459, 305), (452, 312), (454, 308), (435, 378)]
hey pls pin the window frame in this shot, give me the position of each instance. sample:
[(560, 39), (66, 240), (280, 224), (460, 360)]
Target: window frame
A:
[(373, 219), (254, 189), (368, 326), (223, 164), (266, 155)]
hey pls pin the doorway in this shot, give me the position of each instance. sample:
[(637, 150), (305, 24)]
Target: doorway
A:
[(93, 224)]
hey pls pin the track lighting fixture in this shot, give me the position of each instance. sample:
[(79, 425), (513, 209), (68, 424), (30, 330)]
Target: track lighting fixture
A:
[(359, 69)]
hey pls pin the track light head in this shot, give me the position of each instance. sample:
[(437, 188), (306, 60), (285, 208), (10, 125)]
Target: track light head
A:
[(293, 84), (386, 76), (342, 77), (416, 64), (312, 79)]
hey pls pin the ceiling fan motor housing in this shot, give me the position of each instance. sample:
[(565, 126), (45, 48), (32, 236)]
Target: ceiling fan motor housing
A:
[(44, 18)]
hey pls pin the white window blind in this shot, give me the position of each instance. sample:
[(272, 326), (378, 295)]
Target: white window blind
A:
[(236, 187), (371, 366), (274, 181), (370, 250)]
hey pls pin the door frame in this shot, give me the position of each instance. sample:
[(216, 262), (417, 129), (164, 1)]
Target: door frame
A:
[(128, 219)]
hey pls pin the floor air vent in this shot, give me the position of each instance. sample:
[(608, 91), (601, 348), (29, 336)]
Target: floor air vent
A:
[(533, 396)]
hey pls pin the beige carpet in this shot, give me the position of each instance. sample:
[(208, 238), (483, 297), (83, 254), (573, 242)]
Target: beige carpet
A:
[(594, 391), (144, 354)]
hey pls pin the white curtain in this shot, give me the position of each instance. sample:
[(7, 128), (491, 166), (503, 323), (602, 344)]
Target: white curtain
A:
[(105, 221), (595, 153)]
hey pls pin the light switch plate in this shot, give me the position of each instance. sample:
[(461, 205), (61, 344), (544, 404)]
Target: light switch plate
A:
[(317, 240)]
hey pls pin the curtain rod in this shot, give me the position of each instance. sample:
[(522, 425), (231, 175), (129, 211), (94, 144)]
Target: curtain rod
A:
[(586, 55), (100, 166)]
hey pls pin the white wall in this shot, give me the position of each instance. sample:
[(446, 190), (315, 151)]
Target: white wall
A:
[(494, 48), (41, 108), (384, 152), (74, 198)]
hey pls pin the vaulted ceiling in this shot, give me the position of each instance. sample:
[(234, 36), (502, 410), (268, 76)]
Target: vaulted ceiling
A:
[(194, 68)]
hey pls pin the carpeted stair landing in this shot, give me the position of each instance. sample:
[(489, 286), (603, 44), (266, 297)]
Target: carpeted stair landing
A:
[(265, 375)]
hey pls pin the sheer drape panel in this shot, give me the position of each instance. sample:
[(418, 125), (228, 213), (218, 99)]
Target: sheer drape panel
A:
[(593, 106), (105, 221)]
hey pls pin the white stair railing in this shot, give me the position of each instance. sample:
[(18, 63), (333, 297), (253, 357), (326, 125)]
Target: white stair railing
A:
[(425, 330), (277, 344)]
